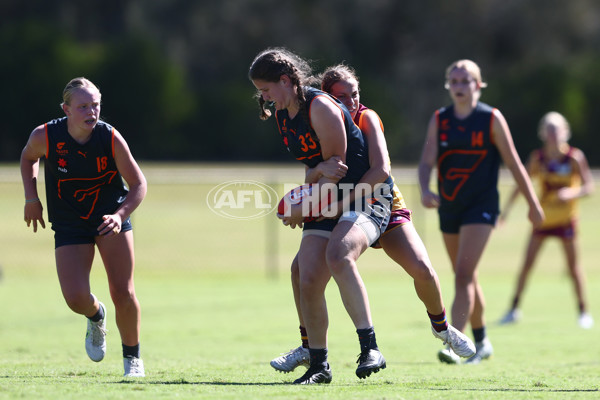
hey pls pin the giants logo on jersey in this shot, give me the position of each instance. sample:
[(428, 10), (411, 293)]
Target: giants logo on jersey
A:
[(60, 150), (84, 191)]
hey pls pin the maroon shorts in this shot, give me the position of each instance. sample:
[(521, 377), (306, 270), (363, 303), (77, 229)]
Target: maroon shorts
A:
[(564, 231), (397, 218)]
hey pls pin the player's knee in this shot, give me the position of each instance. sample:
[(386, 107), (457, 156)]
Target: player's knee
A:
[(423, 272), (463, 278), (338, 262), (78, 301), (295, 271), (311, 282), (123, 297)]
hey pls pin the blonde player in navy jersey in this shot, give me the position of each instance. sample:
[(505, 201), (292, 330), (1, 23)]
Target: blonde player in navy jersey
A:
[(564, 176), (466, 141), (400, 241), (86, 161)]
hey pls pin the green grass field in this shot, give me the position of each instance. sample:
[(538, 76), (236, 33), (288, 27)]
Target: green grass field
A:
[(217, 306)]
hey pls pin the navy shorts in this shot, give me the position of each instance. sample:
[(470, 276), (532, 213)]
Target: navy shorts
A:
[(375, 207), (65, 237), (451, 221)]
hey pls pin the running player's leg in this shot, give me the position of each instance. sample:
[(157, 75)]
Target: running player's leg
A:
[(533, 248), (353, 234), (74, 257), (118, 257), (578, 278), (313, 278), (117, 254), (466, 249), (403, 245)]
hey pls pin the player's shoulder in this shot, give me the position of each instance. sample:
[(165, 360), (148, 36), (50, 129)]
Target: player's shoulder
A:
[(484, 107), (576, 154), (104, 126)]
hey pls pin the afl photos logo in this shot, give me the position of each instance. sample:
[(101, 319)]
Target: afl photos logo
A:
[(242, 199)]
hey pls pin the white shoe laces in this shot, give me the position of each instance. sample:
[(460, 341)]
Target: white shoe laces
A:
[(98, 332)]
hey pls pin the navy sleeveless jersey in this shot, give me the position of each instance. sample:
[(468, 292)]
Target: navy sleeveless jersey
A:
[(82, 180), (302, 141), (468, 160)]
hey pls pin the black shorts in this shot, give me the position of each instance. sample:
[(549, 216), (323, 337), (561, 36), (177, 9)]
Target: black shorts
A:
[(65, 237), (376, 208), (451, 221)]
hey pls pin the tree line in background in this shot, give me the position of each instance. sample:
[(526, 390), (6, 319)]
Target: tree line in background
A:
[(173, 74)]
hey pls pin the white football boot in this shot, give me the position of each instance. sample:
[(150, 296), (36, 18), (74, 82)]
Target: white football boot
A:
[(294, 358), (484, 351), (134, 367), (511, 317), (585, 320), (448, 356), (95, 343), (460, 344)]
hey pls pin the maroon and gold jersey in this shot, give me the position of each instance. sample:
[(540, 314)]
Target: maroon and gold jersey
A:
[(554, 175), (399, 202), (82, 180)]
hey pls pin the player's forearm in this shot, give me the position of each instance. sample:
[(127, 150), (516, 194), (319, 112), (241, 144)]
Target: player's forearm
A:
[(136, 195), (29, 173)]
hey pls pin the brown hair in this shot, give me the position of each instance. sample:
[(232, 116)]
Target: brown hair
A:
[(270, 64), (335, 74)]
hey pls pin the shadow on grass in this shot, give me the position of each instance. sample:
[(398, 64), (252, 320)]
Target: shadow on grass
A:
[(186, 382), (200, 383)]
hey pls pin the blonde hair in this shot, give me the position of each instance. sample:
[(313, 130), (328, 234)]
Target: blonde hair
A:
[(470, 66), (559, 121), (74, 84)]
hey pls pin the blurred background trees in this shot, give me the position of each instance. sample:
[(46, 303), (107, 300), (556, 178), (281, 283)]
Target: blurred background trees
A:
[(173, 74)]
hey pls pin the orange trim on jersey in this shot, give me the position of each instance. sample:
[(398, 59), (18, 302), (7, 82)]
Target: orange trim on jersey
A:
[(309, 157), (362, 114), (459, 173), (47, 140), (112, 141), (491, 127)]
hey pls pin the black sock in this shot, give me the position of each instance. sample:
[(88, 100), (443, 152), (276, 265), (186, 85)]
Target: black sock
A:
[(131, 351), (98, 316), (515, 303), (366, 338), (479, 334), (318, 357)]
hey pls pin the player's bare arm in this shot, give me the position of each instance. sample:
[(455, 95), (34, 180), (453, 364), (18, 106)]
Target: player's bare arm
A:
[(30, 162), (136, 182), (426, 165), (506, 147)]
